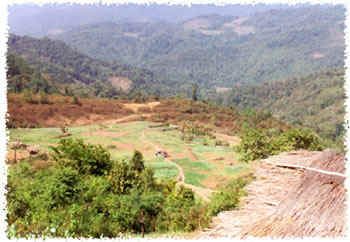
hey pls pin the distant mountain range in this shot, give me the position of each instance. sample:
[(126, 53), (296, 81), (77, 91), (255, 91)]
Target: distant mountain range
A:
[(219, 51), (53, 18)]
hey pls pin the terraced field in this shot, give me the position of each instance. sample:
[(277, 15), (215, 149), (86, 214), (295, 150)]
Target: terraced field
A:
[(200, 164)]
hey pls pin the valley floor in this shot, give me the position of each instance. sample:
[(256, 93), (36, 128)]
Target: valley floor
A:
[(200, 165)]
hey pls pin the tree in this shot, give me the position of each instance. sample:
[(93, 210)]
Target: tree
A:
[(137, 162), (44, 98), (27, 96), (36, 82), (18, 85), (194, 92)]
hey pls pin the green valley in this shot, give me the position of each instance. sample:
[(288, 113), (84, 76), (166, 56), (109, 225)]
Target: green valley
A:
[(201, 121)]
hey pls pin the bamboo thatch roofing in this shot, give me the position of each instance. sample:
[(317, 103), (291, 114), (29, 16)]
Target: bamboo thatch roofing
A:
[(285, 201), (315, 207)]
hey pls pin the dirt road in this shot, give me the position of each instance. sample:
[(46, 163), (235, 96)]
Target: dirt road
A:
[(204, 193)]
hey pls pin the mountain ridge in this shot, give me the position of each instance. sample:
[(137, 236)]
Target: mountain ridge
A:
[(215, 50), (67, 66)]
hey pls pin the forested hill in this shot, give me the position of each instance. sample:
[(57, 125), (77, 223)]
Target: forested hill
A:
[(218, 51), (315, 101), (65, 65), (51, 19)]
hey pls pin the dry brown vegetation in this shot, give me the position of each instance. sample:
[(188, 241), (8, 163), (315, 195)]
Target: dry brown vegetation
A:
[(227, 120), (61, 109), (141, 107)]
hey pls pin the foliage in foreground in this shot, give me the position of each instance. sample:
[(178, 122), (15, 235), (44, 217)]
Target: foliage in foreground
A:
[(260, 143), (86, 194), (228, 197)]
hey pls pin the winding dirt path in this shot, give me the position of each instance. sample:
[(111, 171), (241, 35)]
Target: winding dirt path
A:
[(232, 140), (204, 193), (129, 118), (192, 155)]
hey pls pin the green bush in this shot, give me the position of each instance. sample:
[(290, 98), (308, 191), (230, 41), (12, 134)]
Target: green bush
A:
[(63, 189), (181, 212), (86, 158), (137, 163), (228, 198), (254, 144), (295, 139), (261, 143)]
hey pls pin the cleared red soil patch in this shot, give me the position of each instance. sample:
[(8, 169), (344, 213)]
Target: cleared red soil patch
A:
[(212, 182), (191, 154), (127, 147), (120, 82), (240, 29), (61, 110), (105, 133), (141, 107), (20, 155), (317, 55), (232, 140), (223, 89), (196, 24)]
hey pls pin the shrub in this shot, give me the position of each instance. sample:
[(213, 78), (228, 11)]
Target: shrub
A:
[(44, 98), (295, 139), (218, 142), (257, 144), (86, 158), (181, 212), (228, 198), (63, 189), (28, 97), (138, 211), (254, 144)]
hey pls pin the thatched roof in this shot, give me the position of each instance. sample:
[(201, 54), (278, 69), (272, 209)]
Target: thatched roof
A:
[(315, 207), (284, 202)]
